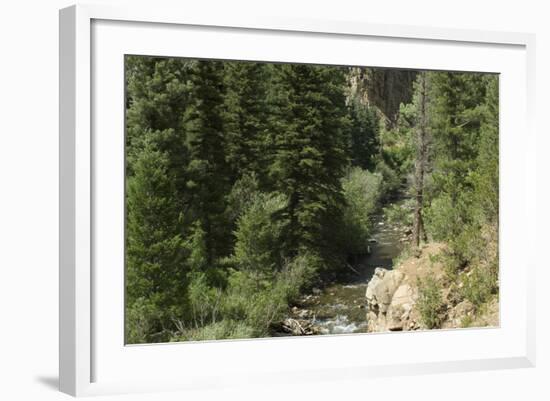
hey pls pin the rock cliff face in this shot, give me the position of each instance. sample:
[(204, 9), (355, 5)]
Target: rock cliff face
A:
[(383, 88)]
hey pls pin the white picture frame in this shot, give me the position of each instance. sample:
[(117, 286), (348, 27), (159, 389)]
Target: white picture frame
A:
[(91, 358)]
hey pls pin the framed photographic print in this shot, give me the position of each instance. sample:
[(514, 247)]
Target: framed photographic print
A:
[(275, 199)]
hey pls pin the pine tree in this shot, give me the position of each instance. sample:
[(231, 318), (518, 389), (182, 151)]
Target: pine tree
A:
[(208, 175), (457, 115), (487, 184), (456, 121), (309, 143), (156, 158), (154, 254), (247, 116), (158, 93)]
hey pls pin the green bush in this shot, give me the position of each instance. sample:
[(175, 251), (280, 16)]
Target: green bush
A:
[(271, 305), (249, 305), (196, 248), (480, 285), (223, 330), (361, 192), (143, 321), (391, 179), (400, 214), (243, 195), (457, 224), (442, 218), (397, 142), (260, 301), (204, 300), (300, 274), (258, 235), (430, 302), (467, 246)]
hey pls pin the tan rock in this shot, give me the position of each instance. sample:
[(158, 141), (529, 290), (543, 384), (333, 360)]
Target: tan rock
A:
[(389, 301), (381, 288)]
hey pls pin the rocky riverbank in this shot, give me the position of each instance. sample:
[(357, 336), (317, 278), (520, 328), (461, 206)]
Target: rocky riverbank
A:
[(387, 290), (394, 297)]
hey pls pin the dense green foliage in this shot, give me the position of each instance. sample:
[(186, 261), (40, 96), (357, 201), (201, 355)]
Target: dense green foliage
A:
[(248, 183), (361, 191), (236, 195), (309, 155), (464, 192), (430, 302), (364, 138), (459, 206)]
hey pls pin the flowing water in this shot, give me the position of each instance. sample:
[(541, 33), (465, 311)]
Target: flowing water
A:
[(340, 307)]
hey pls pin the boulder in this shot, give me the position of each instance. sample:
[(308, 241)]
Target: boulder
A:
[(390, 301), (400, 308), (381, 288)]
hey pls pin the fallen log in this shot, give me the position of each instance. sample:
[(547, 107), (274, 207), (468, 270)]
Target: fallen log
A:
[(297, 327)]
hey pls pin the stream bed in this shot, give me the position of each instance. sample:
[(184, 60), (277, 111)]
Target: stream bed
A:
[(339, 307)]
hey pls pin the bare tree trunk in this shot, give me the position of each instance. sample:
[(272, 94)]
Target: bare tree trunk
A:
[(421, 158)]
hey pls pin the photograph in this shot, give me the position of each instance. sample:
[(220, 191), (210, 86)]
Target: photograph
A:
[(271, 199)]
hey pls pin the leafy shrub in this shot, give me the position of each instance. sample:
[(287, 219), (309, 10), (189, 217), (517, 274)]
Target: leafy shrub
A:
[(300, 274), (243, 195), (143, 320), (241, 289), (204, 300), (442, 219), (251, 302), (223, 330), (457, 224), (479, 285), (361, 192), (397, 142), (260, 301), (258, 235), (467, 246), (430, 302), (391, 179), (271, 305), (400, 214), (196, 247)]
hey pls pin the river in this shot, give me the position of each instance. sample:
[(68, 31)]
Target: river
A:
[(340, 306)]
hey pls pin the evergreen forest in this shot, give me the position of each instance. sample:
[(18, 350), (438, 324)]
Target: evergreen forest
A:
[(252, 186)]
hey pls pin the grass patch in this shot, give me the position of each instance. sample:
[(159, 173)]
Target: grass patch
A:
[(430, 302)]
